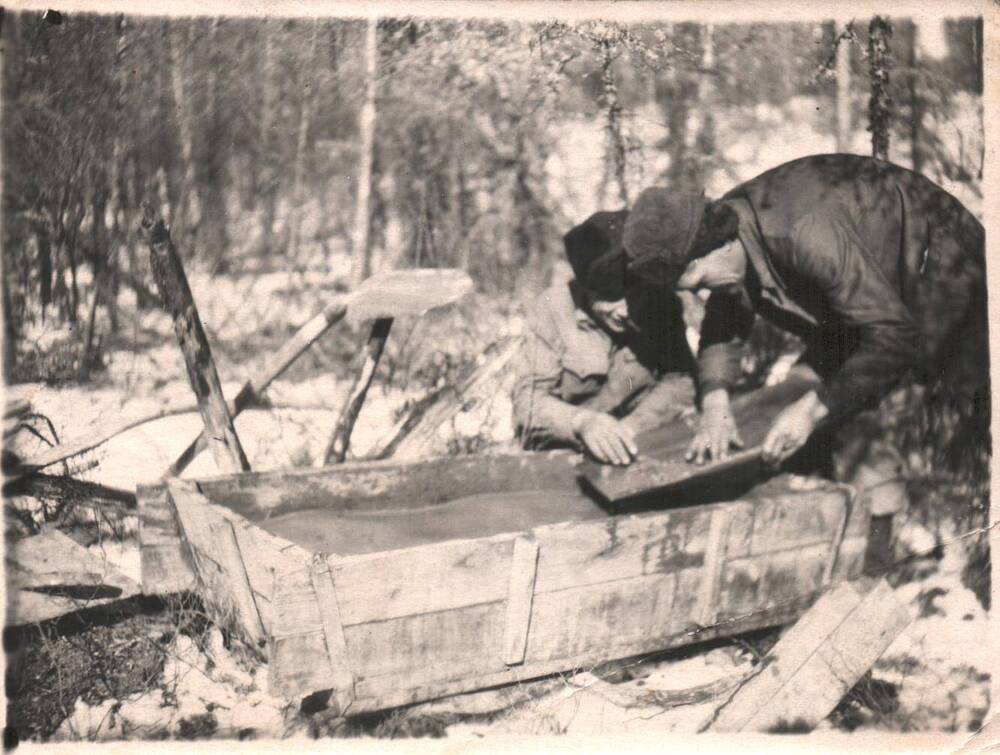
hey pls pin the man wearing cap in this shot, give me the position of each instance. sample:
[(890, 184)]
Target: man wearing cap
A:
[(606, 356), (880, 272)]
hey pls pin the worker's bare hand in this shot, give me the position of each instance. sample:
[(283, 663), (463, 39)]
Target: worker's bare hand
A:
[(608, 439), (716, 430), (792, 428)]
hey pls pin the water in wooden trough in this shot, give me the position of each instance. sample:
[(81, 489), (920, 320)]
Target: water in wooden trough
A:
[(331, 531)]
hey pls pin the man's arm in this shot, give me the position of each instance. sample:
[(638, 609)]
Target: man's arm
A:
[(725, 328), (728, 320), (538, 413), (827, 253), (671, 395)]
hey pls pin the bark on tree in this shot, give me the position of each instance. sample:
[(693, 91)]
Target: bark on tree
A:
[(360, 243), (179, 303), (613, 112), (843, 93), (880, 104), (301, 145)]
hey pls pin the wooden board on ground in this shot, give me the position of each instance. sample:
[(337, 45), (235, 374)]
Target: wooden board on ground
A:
[(408, 582), (817, 661), (50, 575), (661, 465)]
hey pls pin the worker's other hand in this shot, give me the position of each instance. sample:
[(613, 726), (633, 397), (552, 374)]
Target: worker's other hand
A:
[(792, 428), (716, 431), (608, 439)]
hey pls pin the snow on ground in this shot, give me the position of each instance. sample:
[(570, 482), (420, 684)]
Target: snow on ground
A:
[(202, 692)]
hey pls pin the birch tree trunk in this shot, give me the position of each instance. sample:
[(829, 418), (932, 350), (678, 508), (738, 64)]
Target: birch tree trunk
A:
[(268, 172), (843, 104), (613, 112), (916, 106), (360, 242), (879, 32), (213, 228), (181, 220), (301, 145)]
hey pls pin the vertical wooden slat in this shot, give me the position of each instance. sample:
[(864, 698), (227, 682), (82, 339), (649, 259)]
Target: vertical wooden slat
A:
[(838, 539), (239, 583), (341, 677), (215, 541), (520, 590), (715, 555)]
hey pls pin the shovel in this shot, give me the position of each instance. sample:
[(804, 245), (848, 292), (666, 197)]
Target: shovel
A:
[(382, 297), (399, 292)]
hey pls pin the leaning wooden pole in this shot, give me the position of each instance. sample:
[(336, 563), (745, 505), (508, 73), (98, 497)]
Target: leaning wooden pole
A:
[(336, 452), (179, 303), (292, 350)]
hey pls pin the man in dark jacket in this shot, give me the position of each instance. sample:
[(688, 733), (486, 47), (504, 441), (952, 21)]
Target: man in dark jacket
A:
[(606, 356), (879, 270)]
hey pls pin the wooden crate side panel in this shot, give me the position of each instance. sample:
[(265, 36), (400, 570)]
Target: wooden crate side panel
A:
[(757, 582), (387, 691), (235, 560), (298, 650), (850, 559), (425, 579), (797, 519), (586, 553), (444, 645), (575, 621)]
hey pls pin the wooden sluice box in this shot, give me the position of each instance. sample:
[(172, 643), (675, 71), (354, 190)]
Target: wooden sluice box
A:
[(392, 583)]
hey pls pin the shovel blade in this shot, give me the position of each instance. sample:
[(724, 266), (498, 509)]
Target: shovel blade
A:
[(407, 292)]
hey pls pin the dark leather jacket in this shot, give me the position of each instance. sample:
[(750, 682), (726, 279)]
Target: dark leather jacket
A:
[(849, 244)]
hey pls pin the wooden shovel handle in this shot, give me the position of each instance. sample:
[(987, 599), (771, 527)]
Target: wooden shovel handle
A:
[(336, 452)]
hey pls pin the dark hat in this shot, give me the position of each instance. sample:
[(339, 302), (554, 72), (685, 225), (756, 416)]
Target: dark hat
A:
[(660, 231), (595, 252)]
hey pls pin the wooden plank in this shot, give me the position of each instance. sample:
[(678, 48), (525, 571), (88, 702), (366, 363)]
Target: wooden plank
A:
[(608, 615), (341, 676), (218, 562), (520, 591), (341, 436), (445, 644), (385, 691), (290, 351), (239, 584), (398, 291), (165, 560), (749, 583), (50, 575), (423, 579), (661, 465), (298, 656), (818, 660), (584, 553), (715, 556), (781, 522), (204, 378)]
